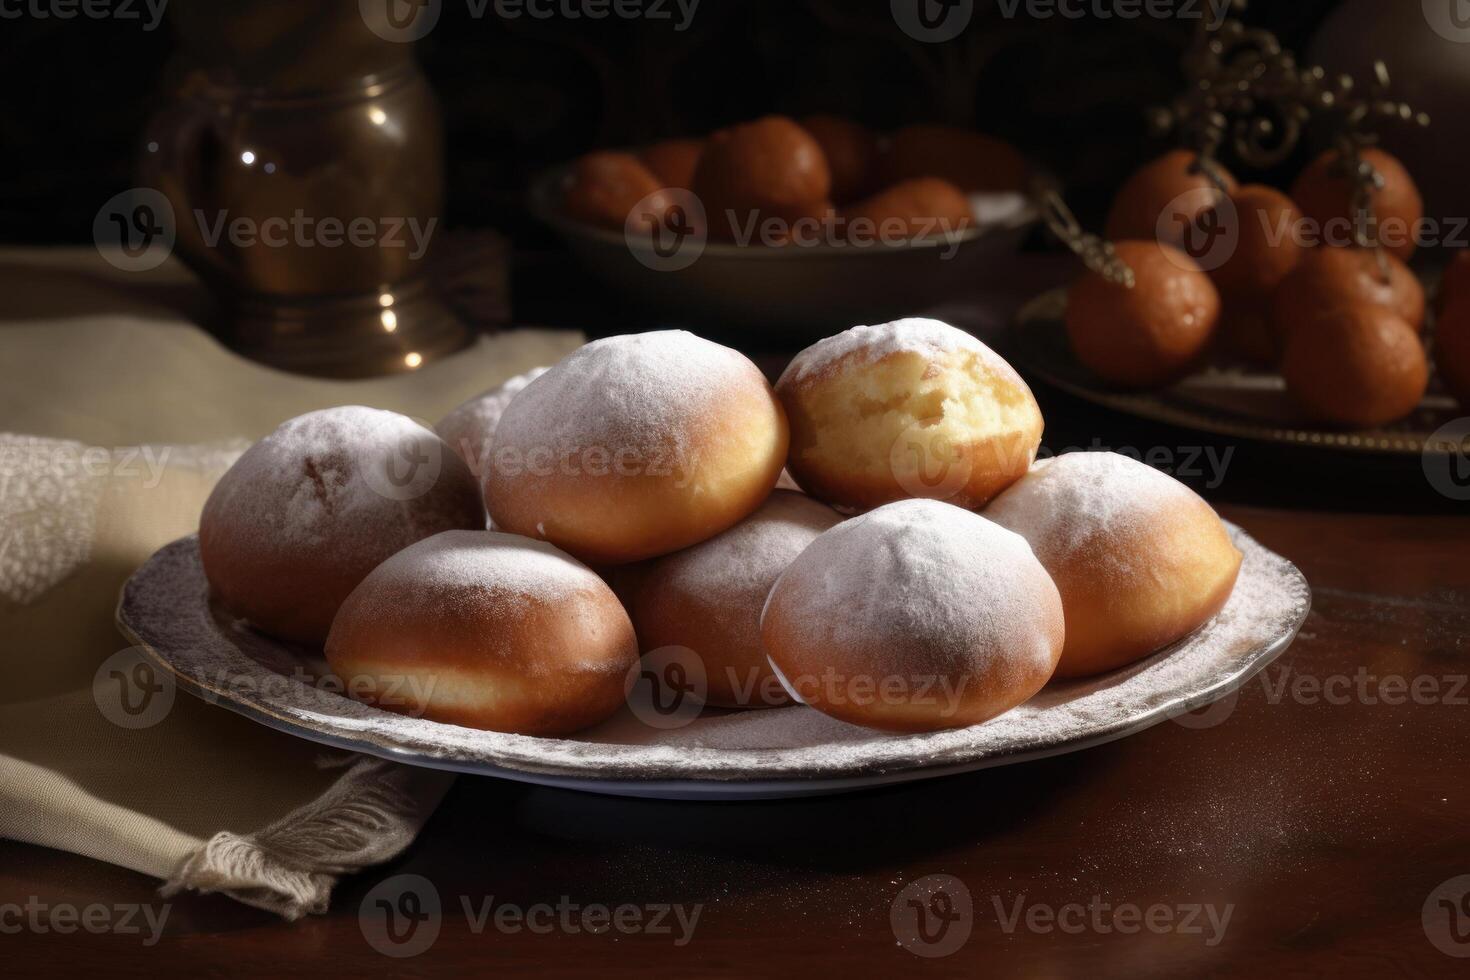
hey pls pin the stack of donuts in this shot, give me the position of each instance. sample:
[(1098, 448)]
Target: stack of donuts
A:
[(916, 569)]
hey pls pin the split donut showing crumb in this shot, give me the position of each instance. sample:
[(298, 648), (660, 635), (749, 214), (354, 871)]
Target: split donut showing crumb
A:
[(913, 408)]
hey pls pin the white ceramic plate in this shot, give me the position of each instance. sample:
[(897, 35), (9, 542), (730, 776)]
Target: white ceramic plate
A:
[(166, 610)]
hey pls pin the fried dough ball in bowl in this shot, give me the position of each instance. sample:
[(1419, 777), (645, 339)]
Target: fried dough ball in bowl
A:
[(925, 207), (851, 150), (309, 510), (1267, 244), (1138, 558), (635, 446), (469, 427), (1356, 367), (1152, 334), (605, 187), (973, 162), (913, 408), (485, 630), (769, 169), (917, 616), (708, 598), (1325, 194), (1329, 278), (673, 161), (1165, 192)]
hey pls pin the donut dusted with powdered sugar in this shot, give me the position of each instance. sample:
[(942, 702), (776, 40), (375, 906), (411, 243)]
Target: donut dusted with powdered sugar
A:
[(309, 510), (635, 446), (912, 408), (708, 598), (470, 427), (916, 616), (1139, 559), (487, 630)]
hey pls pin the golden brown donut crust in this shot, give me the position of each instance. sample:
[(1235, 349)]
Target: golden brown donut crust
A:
[(295, 524), (913, 408), (506, 634), (570, 466), (709, 598), (1139, 559)]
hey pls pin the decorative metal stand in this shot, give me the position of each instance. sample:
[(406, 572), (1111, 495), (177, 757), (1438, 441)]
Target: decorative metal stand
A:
[(1244, 86)]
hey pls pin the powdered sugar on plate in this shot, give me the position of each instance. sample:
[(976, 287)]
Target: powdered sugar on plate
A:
[(165, 609)]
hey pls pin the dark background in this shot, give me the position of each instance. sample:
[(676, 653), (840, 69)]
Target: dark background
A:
[(520, 95)]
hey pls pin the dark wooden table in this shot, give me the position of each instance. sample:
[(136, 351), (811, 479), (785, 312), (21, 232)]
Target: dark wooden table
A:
[(1321, 812)]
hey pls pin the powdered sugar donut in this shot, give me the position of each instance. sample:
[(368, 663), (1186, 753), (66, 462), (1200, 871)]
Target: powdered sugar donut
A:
[(636, 446), (486, 630), (313, 507), (916, 616), (1139, 559), (709, 598), (913, 408), (470, 426)]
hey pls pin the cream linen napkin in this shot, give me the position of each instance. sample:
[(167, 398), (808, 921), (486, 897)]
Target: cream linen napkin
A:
[(118, 415)]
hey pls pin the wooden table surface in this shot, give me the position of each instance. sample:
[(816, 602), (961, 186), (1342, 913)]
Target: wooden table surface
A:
[(1298, 829), (1317, 812)]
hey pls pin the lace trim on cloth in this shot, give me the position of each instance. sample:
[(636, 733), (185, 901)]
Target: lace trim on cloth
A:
[(49, 491)]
